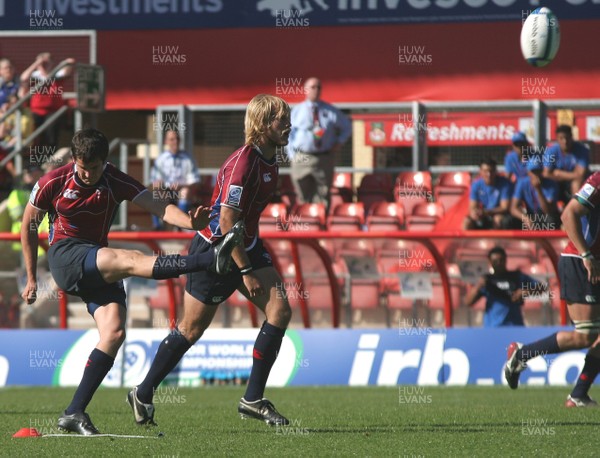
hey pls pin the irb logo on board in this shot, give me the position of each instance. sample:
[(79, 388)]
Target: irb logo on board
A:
[(428, 362)]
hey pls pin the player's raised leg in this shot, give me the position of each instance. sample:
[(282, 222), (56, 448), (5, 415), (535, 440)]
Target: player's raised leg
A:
[(110, 320), (266, 347), (116, 264)]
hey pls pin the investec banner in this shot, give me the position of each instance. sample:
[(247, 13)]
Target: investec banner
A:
[(192, 14), (387, 357)]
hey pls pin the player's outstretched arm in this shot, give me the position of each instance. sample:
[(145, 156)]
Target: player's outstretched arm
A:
[(197, 219), (29, 241)]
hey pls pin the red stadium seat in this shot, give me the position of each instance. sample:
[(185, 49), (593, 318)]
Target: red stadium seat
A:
[(375, 187), (386, 216), (274, 218), (355, 247), (474, 248), (342, 180), (424, 216), (347, 217), (413, 181), (341, 189), (454, 180), (309, 217), (413, 188), (451, 187)]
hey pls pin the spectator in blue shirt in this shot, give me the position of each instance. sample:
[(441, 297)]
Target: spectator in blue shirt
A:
[(514, 163), (489, 199), (534, 199), (9, 81), (567, 161), (504, 291)]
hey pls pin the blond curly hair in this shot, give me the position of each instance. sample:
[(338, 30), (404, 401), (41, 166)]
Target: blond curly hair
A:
[(262, 110)]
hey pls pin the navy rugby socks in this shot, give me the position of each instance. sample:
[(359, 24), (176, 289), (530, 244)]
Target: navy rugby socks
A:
[(98, 365), (170, 351), (545, 346), (264, 354), (586, 378), (173, 265)]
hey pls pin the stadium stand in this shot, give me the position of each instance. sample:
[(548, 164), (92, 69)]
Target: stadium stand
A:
[(412, 188), (312, 217), (347, 217), (341, 189), (451, 187), (386, 216), (424, 216), (274, 218), (374, 188)]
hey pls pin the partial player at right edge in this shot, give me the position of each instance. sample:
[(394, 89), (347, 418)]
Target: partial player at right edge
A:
[(579, 274)]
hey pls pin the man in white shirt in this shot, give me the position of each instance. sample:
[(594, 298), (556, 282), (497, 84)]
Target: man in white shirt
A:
[(319, 130)]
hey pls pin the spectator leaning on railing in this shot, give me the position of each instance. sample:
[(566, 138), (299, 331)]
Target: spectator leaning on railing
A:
[(48, 98), (8, 129)]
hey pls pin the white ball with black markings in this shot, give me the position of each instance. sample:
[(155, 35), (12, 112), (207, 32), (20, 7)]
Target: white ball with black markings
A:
[(540, 37)]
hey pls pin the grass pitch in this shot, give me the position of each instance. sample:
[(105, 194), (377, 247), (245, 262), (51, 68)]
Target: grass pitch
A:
[(400, 421)]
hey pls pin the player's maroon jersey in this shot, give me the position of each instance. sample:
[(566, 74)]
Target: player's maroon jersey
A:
[(589, 196), (80, 211), (246, 182)]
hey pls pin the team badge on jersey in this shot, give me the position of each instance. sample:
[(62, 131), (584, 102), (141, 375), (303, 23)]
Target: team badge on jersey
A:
[(267, 177), (234, 196), (71, 194)]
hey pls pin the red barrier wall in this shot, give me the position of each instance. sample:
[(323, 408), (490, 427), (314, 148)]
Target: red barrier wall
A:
[(469, 61)]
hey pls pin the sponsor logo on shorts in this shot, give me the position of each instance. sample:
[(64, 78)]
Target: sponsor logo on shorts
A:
[(267, 256), (590, 299), (235, 195), (216, 299)]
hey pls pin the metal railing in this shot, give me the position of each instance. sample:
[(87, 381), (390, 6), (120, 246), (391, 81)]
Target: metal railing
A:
[(311, 239), (123, 144), (20, 142)]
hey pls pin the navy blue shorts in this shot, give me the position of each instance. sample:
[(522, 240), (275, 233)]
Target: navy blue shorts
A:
[(211, 288), (73, 266), (574, 284)]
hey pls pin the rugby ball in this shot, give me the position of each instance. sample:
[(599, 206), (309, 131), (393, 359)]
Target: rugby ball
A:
[(540, 37)]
